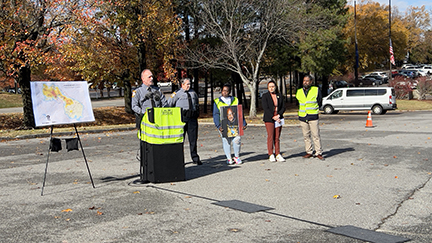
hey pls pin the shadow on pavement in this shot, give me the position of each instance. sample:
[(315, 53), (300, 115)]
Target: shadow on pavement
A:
[(213, 165), (111, 178), (334, 152)]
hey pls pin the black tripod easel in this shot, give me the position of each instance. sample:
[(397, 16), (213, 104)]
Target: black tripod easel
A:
[(49, 150)]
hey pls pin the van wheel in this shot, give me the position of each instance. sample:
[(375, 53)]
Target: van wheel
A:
[(377, 109), (328, 109)]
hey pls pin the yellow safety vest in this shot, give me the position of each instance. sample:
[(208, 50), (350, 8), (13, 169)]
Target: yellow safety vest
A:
[(308, 105), (166, 129), (220, 103)]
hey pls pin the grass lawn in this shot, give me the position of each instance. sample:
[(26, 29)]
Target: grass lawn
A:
[(8, 100), (414, 105), (116, 117)]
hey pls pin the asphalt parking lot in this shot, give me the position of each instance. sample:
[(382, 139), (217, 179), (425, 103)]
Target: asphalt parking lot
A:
[(374, 179)]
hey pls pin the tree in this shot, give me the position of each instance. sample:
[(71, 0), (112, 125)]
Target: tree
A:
[(154, 29), (100, 51), (417, 21), (117, 40), (373, 36), (244, 29), (323, 50), (28, 31)]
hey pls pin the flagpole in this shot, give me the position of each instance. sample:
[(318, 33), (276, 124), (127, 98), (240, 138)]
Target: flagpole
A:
[(390, 42), (356, 46)]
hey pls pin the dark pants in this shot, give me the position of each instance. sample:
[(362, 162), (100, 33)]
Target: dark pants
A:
[(191, 128)]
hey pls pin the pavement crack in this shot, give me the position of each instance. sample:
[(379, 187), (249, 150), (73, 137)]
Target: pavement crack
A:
[(407, 197)]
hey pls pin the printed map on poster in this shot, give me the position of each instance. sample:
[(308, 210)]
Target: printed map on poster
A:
[(61, 103)]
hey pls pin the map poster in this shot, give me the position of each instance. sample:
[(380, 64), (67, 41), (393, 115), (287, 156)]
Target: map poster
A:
[(65, 102)]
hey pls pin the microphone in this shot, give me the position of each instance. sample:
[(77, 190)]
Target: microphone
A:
[(157, 96), (149, 95)]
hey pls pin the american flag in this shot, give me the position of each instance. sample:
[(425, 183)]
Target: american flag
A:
[(392, 60)]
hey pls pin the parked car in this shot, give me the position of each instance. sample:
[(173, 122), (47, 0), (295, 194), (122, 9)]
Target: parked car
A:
[(408, 66), (164, 84), (395, 75), (12, 90), (382, 74), (381, 79), (336, 84), (377, 99), (368, 81), (411, 73), (427, 69), (422, 73)]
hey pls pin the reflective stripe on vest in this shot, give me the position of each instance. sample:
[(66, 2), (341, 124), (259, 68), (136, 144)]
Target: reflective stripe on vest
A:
[(166, 129), (308, 105), (220, 103)]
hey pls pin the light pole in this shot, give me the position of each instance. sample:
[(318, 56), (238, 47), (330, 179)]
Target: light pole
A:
[(356, 65)]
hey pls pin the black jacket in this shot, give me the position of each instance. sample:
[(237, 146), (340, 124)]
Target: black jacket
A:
[(268, 106)]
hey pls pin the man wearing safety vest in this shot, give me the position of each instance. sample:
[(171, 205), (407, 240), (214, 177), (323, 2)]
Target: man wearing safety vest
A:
[(227, 100), (310, 100)]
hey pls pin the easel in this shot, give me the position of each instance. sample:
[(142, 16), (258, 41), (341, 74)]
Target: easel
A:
[(49, 150)]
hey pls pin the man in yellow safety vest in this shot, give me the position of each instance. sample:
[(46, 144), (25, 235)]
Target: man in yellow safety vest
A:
[(310, 100)]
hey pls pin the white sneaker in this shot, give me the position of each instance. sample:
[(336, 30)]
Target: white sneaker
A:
[(280, 158), (238, 160), (230, 162), (272, 158)]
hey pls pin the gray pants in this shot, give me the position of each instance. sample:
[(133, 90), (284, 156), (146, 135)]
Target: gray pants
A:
[(311, 133)]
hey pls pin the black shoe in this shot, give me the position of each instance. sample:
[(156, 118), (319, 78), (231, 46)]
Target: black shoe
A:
[(198, 162)]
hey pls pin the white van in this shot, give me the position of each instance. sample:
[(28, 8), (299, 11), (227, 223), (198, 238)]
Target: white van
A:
[(377, 99)]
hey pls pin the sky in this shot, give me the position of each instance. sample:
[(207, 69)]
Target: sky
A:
[(402, 5)]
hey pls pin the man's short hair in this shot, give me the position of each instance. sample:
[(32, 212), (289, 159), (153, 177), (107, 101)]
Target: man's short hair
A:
[(311, 78), (143, 71), (184, 80)]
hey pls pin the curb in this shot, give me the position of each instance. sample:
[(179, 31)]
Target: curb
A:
[(43, 135)]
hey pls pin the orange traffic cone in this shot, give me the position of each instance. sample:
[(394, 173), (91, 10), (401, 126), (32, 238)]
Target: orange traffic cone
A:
[(369, 120)]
